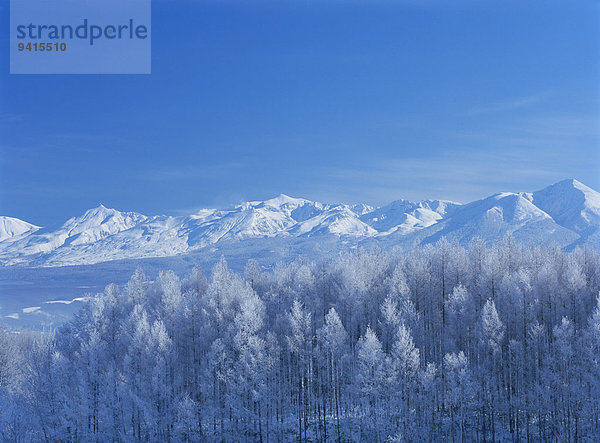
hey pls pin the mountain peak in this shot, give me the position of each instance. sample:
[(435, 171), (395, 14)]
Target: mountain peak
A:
[(101, 221), (100, 209), (571, 189), (13, 227), (570, 183), (283, 199), (98, 214), (570, 203)]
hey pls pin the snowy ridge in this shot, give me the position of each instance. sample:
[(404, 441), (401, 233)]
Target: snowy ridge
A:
[(574, 206), (500, 214), (405, 216), (566, 213)]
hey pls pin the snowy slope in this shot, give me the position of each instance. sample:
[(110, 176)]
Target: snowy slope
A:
[(159, 236), (566, 213), (11, 228), (405, 216), (494, 217), (571, 204), (338, 220), (94, 225), (251, 220)]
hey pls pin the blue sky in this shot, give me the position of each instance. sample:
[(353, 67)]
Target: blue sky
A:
[(329, 100)]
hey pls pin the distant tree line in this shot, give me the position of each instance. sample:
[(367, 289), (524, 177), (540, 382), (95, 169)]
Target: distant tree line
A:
[(441, 343)]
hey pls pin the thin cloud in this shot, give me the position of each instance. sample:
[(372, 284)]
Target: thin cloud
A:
[(511, 105), (458, 175), (183, 173), (11, 118)]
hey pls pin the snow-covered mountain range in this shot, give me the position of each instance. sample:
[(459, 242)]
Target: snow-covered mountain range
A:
[(566, 213)]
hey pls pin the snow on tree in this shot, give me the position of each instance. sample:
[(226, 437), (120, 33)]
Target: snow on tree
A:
[(491, 327), (441, 343)]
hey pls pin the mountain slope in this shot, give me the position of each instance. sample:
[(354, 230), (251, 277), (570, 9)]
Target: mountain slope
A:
[(337, 220), (404, 216), (11, 228), (94, 225), (574, 206), (494, 217)]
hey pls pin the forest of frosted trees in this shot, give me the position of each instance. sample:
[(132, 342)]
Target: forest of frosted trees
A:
[(440, 343)]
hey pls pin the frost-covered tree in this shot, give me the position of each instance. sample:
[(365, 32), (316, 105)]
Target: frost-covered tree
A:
[(438, 343), (371, 381), (491, 328)]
